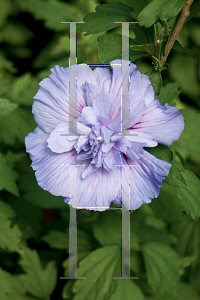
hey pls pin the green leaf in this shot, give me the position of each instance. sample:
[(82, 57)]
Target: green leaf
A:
[(161, 152), (8, 177), (6, 9), (6, 64), (89, 43), (190, 194), (24, 89), (6, 107), (143, 35), (183, 68), (162, 266), (13, 158), (134, 55), (38, 281), (104, 18), (136, 262), (5, 285), (126, 289), (178, 47), (6, 210), (159, 10), (186, 292), (56, 49), (16, 125), (85, 244), (194, 9), (28, 217), (99, 268), (188, 234), (138, 6), (11, 287), (139, 51), (20, 84), (110, 47), (156, 81), (60, 240), (20, 52), (169, 93), (15, 34), (35, 194), (175, 176), (186, 183), (67, 290), (9, 237), (148, 48), (167, 206), (57, 239), (5, 84), (194, 34), (54, 12), (188, 144), (107, 230), (187, 261), (149, 234), (152, 221)]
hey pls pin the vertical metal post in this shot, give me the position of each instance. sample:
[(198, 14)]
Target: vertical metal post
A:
[(72, 102), (125, 251)]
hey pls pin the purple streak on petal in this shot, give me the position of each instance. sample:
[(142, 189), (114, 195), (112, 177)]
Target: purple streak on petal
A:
[(164, 123), (141, 137), (145, 180), (131, 149), (51, 105)]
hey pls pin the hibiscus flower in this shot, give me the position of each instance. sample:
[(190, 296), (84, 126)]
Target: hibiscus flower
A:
[(100, 164)]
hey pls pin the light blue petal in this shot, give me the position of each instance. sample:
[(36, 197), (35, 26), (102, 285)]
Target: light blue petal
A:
[(58, 141), (88, 116), (112, 159), (145, 180), (90, 92), (106, 134), (52, 169), (103, 77), (51, 104), (102, 105), (164, 123), (97, 191)]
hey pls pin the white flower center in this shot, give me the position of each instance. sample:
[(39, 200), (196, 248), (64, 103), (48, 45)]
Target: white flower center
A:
[(100, 139)]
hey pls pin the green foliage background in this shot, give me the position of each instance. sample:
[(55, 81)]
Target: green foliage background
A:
[(34, 225)]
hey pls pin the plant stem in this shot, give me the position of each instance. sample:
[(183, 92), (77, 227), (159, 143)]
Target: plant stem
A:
[(158, 48), (184, 14)]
